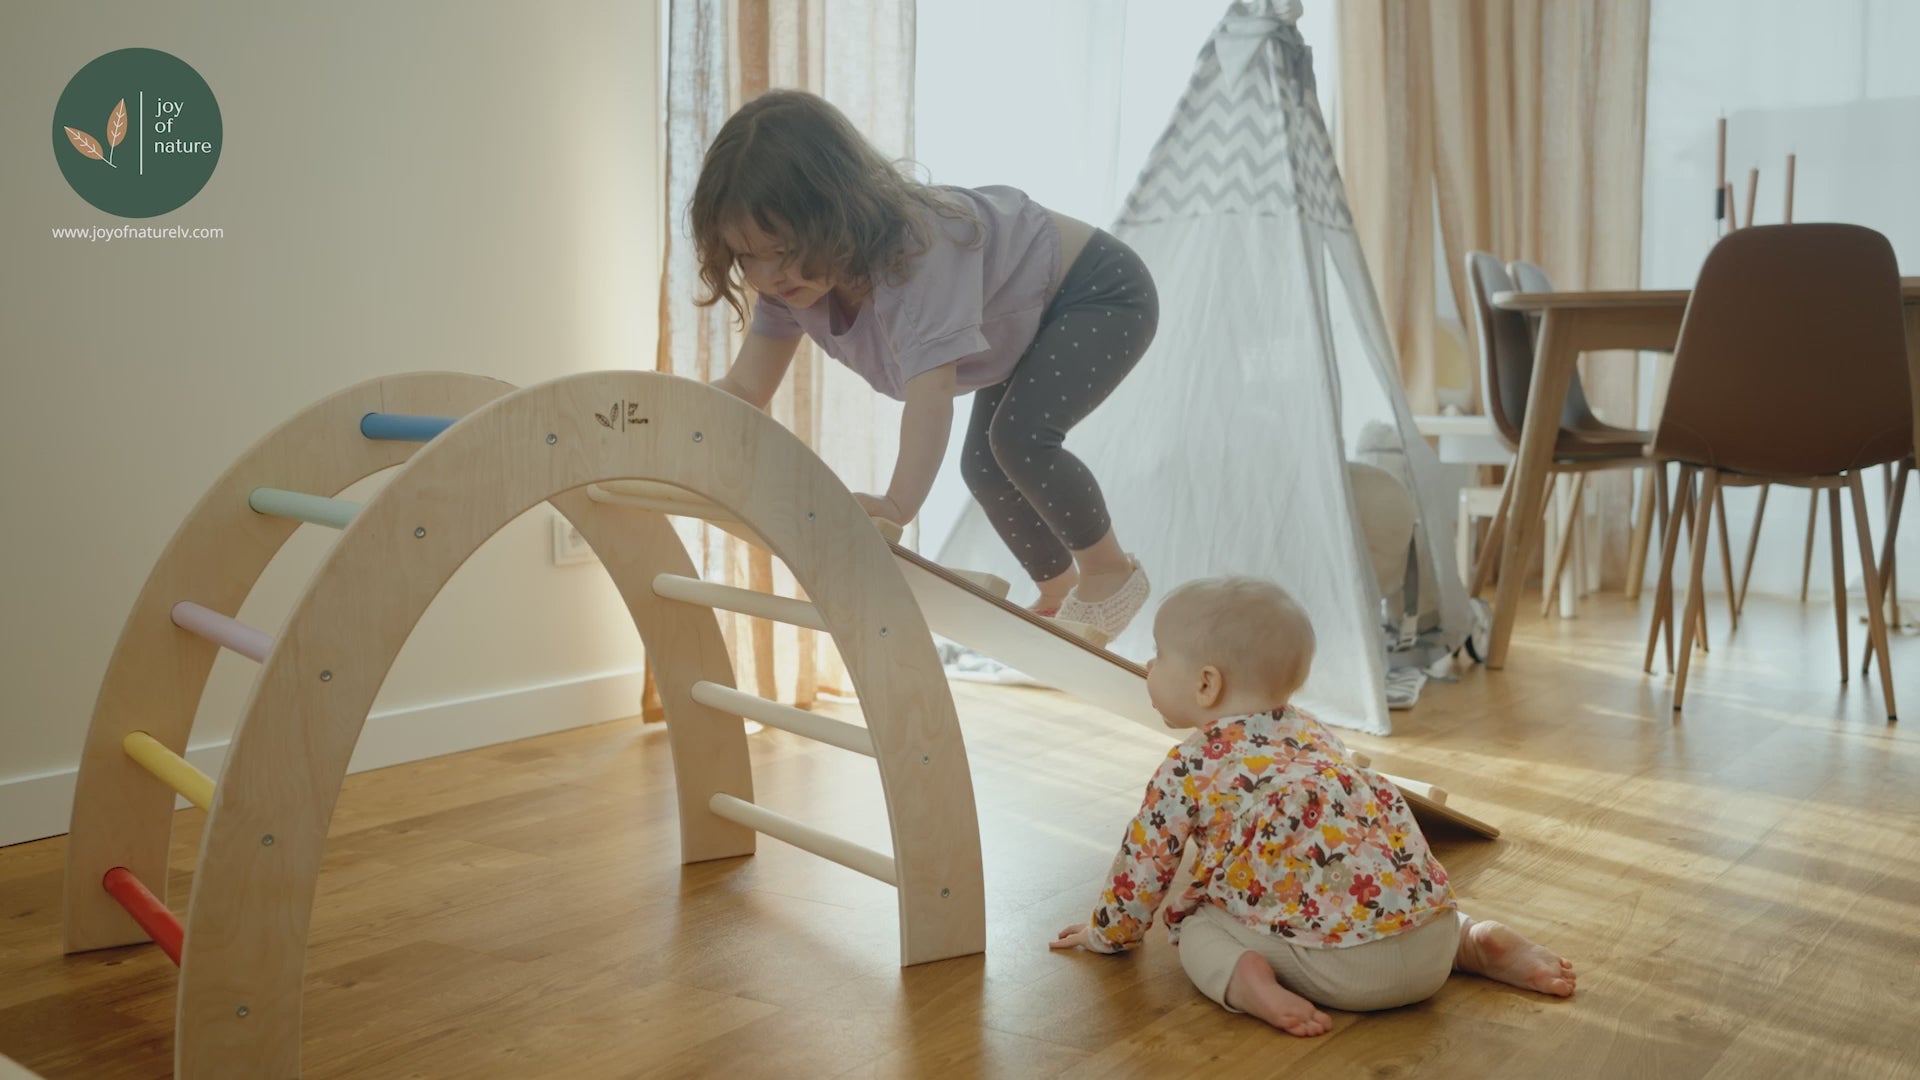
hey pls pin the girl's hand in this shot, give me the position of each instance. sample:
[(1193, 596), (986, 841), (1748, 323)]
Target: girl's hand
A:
[(881, 506), (1074, 937)]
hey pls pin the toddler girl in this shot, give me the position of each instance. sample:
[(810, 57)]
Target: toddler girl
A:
[(929, 293)]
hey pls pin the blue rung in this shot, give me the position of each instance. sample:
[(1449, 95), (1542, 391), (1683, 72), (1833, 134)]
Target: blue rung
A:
[(400, 427)]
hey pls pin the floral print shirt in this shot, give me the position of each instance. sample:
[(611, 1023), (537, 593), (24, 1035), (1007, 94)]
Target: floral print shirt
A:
[(1294, 838)]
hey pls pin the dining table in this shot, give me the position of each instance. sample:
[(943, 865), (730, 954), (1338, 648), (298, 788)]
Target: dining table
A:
[(1572, 323)]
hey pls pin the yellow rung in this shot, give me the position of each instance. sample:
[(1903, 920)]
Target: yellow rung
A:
[(170, 768)]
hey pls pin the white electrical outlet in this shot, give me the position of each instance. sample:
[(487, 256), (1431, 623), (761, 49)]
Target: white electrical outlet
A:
[(569, 547)]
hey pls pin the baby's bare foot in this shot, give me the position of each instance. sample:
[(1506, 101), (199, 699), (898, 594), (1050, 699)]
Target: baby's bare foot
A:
[(1254, 991), (1499, 952)]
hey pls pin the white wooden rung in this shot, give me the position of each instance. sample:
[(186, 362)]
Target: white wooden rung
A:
[(805, 837), (688, 590), (662, 498), (667, 499), (1434, 795), (785, 717)]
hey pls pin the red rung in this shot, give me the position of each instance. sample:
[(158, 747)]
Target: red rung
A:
[(146, 909)]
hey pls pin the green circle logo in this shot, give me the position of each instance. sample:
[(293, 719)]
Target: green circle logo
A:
[(137, 133)]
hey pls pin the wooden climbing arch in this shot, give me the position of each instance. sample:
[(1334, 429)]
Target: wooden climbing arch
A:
[(476, 453)]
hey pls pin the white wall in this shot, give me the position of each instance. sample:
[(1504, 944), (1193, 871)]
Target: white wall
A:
[(1830, 81), (428, 185)]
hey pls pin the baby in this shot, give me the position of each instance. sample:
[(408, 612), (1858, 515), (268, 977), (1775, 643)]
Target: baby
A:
[(1311, 882)]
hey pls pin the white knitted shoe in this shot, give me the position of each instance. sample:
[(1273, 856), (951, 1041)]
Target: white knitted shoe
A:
[(1111, 615)]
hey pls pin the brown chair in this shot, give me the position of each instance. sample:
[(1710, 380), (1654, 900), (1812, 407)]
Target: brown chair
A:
[(1791, 368), (1505, 340)]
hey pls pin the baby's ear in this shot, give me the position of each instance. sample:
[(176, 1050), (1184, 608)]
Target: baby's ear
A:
[(1213, 686)]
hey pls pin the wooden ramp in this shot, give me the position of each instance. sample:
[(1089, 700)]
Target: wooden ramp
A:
[(957, 607)]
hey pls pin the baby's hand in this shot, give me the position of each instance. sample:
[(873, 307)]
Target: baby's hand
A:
[(1074, 937)]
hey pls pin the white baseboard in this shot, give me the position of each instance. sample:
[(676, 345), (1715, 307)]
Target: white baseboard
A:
[(33, 807)]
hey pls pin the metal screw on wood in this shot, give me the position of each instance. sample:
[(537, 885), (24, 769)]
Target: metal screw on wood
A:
[(242, 1012), (883, 631), (326, 676), (419, 531), (267, 840), (945, 893), (697, 437), (552, 438)]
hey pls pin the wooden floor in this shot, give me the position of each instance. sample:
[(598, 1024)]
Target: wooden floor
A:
[(1741, 889)]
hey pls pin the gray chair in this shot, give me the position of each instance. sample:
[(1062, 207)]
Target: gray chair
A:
[(1506, 344)]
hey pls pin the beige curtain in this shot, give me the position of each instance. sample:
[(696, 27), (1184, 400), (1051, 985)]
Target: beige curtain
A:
[(721, 53), (1509, 126)]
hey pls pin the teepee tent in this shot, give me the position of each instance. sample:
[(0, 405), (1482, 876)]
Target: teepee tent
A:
[(1254, 436)]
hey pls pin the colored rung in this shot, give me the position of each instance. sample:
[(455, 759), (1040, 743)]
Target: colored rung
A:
[(223, 630), (401, 427), (313, 509), (805, 837), (160, 924), (759, 605), (785, 717), (169, 768)]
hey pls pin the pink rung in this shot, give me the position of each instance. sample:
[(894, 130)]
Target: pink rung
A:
[(222, 630)]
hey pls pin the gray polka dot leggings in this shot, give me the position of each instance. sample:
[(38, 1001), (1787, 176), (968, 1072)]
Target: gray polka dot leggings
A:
[(1043, 501)]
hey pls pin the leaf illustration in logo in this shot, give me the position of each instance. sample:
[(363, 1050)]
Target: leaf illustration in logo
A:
[(604, 422), (85, 143), (117, 124)]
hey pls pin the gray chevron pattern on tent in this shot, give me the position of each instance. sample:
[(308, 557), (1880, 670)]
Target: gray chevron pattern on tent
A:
[(1246, 140)]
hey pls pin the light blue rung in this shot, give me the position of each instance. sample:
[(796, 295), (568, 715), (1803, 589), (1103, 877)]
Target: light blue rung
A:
[(314, 509), (401, 427)]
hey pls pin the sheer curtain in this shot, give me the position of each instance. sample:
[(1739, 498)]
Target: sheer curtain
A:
[(1517, 125), (859, 54)]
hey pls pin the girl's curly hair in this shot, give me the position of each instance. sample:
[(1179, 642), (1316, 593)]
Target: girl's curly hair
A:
[(796, 167)]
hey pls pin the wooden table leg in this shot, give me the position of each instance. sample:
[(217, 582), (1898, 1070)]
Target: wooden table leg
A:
[(1552, 372), (1642, 538)]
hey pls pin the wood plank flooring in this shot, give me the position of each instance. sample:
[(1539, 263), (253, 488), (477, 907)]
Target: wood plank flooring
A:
[(1739, 885)]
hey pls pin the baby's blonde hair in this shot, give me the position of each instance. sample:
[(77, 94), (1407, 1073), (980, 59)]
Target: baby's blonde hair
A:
[(1254, 631)]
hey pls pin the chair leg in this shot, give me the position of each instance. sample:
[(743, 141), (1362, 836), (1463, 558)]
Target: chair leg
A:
[(1753, 545), (1696, 580), (1565, 547), (1690, 501), (1496, 532), (1806, 564), (1887, 587), (1839, 575), (1726, 560), (1889, 576), (1662, 625), (1876, 625)]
